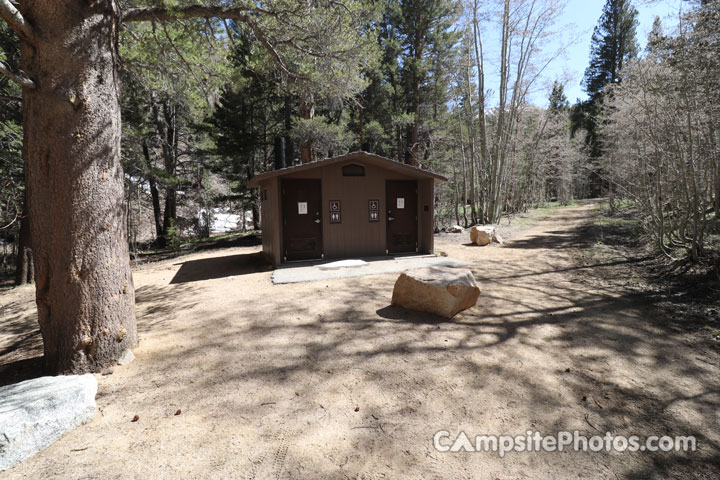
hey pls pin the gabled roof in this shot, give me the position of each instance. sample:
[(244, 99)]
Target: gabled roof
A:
[(369, 158)]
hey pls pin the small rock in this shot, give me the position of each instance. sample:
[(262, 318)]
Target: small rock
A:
[(357, 409), (178, 412), (107, 371), (567, 370), (126, 357), (135, 418), (455, 229)]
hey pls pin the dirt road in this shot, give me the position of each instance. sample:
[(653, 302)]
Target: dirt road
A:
[(326, 380)]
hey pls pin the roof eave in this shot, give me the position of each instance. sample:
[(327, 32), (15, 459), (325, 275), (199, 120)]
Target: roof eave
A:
[(255, 181)]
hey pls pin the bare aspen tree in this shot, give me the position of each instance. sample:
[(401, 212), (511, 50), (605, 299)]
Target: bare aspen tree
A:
[(661, 132), (523, 25)]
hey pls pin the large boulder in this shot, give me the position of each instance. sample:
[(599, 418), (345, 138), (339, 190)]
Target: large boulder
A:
[(439, 290), (37, 412), (482, 234)]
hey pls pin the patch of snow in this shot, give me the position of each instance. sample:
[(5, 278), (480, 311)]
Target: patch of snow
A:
[(342, 264), (225, 222)]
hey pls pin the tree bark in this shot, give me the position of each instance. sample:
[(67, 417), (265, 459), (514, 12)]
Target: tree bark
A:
[(288, 114), (155, 194), (164, 117), (307, 111), (24, 267), (84, 284)]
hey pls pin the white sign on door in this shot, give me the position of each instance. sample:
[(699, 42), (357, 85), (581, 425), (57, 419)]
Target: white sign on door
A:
[(400, 202), (302, 208)]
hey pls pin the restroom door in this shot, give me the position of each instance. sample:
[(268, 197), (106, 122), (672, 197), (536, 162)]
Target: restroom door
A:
[(302, 219), (402, 217)]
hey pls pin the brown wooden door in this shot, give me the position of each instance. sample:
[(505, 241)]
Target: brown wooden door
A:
[(402, 221), (302, 219)]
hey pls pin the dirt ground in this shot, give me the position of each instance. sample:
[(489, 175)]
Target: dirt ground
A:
[(324, 380)]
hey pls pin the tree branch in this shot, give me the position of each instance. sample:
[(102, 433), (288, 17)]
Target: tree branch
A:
[(193, 11), (11, 15), (19, 79), (10, 98), (198, 11)]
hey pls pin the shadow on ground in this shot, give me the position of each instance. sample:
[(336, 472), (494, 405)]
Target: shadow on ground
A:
[(548, 348), (220, 267)]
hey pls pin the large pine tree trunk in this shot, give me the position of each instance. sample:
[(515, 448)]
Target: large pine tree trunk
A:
[(85, 294)]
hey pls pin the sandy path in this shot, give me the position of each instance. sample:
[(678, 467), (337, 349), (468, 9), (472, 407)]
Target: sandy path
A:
[(268, 378)]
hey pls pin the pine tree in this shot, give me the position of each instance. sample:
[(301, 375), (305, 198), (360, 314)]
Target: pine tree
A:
[(424, 29), (613, 44), (558, 100)]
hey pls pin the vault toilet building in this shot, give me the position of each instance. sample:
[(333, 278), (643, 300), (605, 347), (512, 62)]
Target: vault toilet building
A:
[(354, 205)]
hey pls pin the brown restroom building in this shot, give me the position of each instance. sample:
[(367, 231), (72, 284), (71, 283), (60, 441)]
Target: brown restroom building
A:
[(354, 205)]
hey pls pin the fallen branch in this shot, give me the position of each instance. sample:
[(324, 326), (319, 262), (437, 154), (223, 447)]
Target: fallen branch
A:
[(587, 420)]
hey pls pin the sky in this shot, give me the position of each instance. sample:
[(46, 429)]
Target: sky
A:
[(574, 33)]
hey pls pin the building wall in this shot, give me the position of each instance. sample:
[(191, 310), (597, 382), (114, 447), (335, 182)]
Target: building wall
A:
[(355, 236), (271, 212), (426, 215)]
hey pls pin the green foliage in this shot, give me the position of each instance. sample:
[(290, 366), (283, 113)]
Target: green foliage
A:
[(12, 181), (181, 60), (558, 101), (247, 118), (409, 85), (329, 138), (613, 45), (173, 239)]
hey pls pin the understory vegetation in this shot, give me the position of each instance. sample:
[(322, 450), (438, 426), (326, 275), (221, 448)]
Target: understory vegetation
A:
[(210, 97)]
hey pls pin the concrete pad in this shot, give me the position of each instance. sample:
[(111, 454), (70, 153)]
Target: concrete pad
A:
[(35, 413), (313, 271)]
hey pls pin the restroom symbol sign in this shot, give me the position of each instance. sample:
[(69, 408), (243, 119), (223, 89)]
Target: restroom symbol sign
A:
[(334, 211), (374, 210)]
